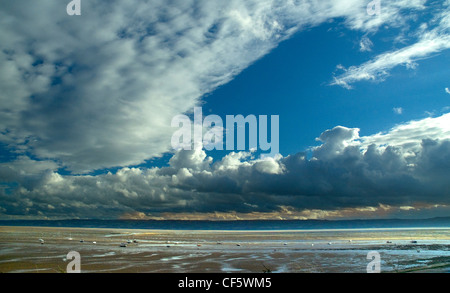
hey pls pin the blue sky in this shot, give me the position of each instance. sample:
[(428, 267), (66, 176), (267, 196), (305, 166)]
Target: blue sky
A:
[(85, 115), (284, 77)]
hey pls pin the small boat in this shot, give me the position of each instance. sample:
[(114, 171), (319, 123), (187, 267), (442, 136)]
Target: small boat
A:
[(285, 244), (414, 241), (238, 244), (388, 242), (41, 241), (94, 242), (329, 243), (135, 241), (81, 240), (123, 245)]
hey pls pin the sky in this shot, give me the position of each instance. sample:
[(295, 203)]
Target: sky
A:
[(86, 104)]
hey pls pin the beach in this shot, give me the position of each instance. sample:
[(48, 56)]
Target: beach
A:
[(200, 251)]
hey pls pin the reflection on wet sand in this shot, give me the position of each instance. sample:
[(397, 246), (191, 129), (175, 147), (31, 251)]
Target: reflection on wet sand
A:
[(144, 251)]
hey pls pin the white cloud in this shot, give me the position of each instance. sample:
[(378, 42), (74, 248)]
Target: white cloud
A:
[(407, 166), (398, 110), (430, 41), (100, 90), (378, 69), (447, 90), (365, 45)]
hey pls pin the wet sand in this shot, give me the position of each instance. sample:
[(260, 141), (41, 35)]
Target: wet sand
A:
[(162, 251)]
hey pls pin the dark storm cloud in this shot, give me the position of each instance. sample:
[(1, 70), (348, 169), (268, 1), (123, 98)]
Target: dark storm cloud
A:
[(344, 172), (100, 91)]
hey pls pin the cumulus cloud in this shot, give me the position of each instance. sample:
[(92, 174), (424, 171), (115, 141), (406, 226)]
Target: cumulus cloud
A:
[(404, 170), (409, 136), (447, 90), (100, 90)]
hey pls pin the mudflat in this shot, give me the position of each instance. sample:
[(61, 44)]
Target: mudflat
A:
[(194, 251)]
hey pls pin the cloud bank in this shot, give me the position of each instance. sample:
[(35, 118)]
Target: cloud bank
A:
[(99, 91), (347, 175)]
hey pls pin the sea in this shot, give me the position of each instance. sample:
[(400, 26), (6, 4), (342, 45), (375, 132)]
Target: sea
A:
[(252, 225)]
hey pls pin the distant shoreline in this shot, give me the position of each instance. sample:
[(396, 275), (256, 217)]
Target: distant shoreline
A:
[(232, 231), (240, 225)]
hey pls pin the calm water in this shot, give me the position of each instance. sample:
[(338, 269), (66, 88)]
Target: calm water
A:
[(233, 225)]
